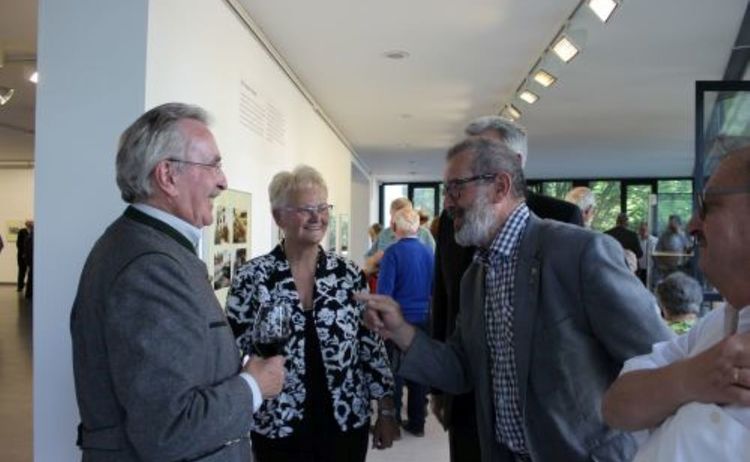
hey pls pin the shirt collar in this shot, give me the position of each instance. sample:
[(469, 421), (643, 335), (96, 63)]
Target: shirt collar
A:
[(507, 240), (192, 233)]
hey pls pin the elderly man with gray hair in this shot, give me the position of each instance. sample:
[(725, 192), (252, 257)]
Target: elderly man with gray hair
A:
[(538, 349), (584, 198), (691, 395), (406, 275), (157, 373)]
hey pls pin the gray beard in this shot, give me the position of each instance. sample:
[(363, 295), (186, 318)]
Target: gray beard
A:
[(479, 222)]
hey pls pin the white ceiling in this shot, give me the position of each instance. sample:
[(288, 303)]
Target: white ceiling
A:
[(624, 107)]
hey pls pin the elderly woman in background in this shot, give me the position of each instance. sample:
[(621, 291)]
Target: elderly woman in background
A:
[(335, 365), (680, 298)]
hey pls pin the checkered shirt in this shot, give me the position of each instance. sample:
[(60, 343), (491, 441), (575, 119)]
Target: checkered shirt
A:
[(500, 262)]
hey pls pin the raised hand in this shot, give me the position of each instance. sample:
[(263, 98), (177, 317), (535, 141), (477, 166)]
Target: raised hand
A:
[(383, 315)]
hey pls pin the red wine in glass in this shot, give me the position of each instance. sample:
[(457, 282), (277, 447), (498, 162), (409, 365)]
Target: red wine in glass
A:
[(272, 329), (270, 348)]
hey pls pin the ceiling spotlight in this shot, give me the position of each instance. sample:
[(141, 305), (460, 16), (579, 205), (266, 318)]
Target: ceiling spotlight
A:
[(6, 94), (528, 96), (544, 78), (511, 112), (602, 8), (34, 77), (565, 49)]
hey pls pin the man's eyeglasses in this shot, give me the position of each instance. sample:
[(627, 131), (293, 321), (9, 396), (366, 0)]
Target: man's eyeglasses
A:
[(310, 210), (700, 199), (453, 188), (215, 166)]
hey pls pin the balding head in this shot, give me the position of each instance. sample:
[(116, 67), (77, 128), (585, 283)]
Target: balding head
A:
[(721, 227)]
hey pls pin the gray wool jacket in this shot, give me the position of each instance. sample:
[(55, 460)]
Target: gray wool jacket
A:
[(154, 361), (579, 314)]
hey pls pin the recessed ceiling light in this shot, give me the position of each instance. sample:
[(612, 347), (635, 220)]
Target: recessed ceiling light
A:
[(34, 77), (528, 96), (544, 78), (511, 112), (396, 54), (602, 8), (565, 49)]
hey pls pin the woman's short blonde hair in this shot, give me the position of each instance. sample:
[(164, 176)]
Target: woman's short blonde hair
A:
[(285, 184)]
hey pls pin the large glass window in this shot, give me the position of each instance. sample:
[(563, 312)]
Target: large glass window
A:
[(557, 189), (390, 193), (424, 199), (607, 204), (637, 203), (675, 198)]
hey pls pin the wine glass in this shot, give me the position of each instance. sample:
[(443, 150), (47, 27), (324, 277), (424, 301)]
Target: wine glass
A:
[(271, 329)]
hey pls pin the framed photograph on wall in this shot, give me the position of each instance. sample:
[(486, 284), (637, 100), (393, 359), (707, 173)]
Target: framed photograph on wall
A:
[(13, 227), (344, 234), (226, 243), (331, 238)]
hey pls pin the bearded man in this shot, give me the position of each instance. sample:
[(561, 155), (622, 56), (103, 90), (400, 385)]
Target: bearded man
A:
[(549, 313)]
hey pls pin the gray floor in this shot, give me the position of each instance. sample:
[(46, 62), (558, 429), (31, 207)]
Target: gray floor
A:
[(433, 447), (15, 395), (15, 376)]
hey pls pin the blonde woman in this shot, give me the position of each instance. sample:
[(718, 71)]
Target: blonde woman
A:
[(335, 366)]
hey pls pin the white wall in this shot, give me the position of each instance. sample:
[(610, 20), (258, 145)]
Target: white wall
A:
[(99, 70), (201, 54), (91, 59), (360, 197), (17, 191)]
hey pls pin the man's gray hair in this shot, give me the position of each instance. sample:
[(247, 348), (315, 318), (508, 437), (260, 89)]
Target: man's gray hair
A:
[(153, 137), (407, 221), (581, 196), (493, 157), (512, 133), (679, 294), (285, 184)]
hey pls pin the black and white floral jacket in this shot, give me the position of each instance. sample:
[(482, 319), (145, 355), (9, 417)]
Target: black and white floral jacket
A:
[(355, 361)]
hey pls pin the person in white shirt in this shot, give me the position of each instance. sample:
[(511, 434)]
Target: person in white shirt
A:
[(693, 392)]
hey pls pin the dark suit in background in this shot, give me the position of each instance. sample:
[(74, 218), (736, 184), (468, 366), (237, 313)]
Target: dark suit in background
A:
[(554, 209), (628, 239), (451, 262), (21, 241)]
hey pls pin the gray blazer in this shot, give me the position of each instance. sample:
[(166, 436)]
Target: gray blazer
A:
[(155, 363), (579, 314)]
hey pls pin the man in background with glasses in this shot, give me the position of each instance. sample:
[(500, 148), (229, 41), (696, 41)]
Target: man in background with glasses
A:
[(157, 371), (549, 313), (693, 392)]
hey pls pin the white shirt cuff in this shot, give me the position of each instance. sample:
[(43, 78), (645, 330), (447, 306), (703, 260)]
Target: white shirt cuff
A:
[(255, 389)]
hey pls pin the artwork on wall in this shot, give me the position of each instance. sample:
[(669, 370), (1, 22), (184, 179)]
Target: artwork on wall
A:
[(344, 234), (332, 234), (227, 240), (13, 227)]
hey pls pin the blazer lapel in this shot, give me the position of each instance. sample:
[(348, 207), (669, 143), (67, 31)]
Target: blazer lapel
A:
[(525, 303)]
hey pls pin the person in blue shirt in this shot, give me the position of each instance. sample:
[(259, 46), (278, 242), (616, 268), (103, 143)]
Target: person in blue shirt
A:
[(406, 274), (387, 237)]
